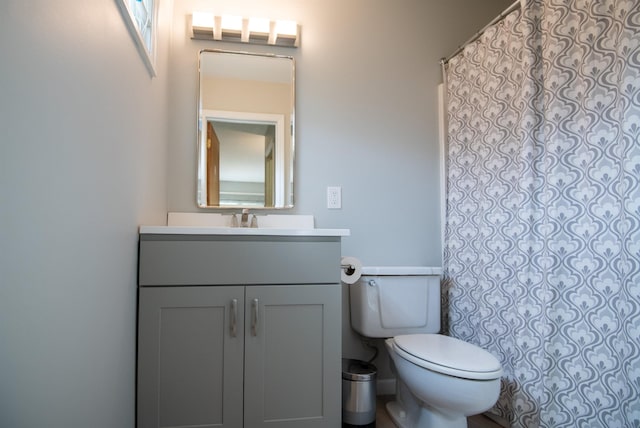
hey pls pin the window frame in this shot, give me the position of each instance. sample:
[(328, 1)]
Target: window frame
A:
[(147, 51)]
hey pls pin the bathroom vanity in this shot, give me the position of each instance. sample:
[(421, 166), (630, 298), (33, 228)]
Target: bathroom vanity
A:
[(239, 327)]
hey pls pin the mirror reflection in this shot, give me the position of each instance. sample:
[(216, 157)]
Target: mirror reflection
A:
[(245, 130)]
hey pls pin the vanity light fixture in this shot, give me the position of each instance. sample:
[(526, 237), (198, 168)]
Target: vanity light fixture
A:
[(202, 24), (228, 28)]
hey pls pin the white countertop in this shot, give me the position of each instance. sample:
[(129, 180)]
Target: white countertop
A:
[(241, 231)]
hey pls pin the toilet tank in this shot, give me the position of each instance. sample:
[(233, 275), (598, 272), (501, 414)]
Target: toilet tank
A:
[(394, 300)]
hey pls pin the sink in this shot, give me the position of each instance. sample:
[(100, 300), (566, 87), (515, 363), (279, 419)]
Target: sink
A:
[(267, 221), (220, 224)]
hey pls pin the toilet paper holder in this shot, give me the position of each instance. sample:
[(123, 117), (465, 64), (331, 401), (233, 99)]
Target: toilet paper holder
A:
[(349, 269)]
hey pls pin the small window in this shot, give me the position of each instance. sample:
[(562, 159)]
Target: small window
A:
[(140, 16)]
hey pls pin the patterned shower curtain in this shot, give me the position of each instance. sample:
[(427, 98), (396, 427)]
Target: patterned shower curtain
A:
[(542, 238)]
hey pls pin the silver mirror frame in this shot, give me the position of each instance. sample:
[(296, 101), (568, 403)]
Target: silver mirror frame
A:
[(289, 193)]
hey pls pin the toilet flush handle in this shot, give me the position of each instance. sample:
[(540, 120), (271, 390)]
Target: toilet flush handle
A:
[(372, 283)]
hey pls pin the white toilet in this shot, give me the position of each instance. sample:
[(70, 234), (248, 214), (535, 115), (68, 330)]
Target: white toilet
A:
[(440, 380)]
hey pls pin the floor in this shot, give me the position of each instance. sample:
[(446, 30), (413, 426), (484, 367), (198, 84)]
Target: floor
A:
[(384, 421)]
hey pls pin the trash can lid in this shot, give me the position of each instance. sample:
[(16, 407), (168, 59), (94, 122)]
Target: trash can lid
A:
[(357, 370)]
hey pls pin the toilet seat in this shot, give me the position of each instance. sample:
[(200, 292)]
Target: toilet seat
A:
[(447, 355)]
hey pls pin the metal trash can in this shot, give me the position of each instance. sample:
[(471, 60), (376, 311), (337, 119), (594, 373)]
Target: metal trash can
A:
[(358, 392)]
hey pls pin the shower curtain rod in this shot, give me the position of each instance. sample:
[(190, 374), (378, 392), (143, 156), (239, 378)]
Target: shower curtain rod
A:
[(515, 5)]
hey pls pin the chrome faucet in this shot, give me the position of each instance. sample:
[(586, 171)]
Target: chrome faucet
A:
[(244, 220)]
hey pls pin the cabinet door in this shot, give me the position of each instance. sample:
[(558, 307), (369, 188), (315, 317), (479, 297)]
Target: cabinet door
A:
[(293, 356), (190, 351)]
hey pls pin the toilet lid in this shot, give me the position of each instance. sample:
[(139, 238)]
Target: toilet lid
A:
[(449, 356)]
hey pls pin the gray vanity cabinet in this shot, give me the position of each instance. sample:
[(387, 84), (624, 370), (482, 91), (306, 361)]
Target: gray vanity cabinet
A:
[(238, 343), (290, 374), (190, 370)]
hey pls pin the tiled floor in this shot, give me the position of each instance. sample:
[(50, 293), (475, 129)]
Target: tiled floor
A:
[(384, 421)]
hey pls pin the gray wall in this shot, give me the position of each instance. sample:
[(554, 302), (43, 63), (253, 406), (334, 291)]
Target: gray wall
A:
[(366, 79), (83, 153), (91, 147), (367, 73)]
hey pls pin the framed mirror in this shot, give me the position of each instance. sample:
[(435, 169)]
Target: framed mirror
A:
[(245, 130)]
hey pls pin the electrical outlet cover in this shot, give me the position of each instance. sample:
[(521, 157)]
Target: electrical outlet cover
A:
[(334, 197)]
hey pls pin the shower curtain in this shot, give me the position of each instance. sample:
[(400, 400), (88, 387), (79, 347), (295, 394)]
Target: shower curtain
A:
[(542, 230)]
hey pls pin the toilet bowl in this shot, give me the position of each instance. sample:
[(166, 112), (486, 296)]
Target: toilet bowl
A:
[(440, 380)]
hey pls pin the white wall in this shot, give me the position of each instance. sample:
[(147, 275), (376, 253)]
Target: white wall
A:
[(83, 152), (366, 87)]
